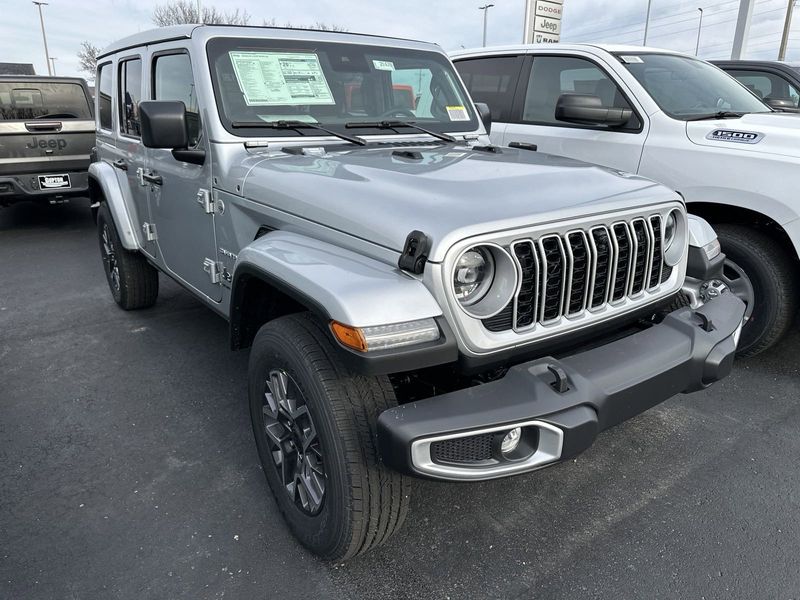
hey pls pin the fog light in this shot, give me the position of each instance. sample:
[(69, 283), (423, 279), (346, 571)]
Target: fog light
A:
[(511, 440)]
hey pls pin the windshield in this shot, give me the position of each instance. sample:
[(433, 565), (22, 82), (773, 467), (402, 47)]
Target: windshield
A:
[(687, 88), (22, 100), (332, 84)]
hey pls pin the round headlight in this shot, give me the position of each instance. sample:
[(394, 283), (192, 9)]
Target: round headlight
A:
[(473, 275), (670, 227)]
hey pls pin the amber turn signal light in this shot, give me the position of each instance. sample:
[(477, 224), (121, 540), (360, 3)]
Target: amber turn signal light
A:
[(349, 336)]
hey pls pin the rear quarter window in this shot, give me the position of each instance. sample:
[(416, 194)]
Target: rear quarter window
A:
[(26, 100)]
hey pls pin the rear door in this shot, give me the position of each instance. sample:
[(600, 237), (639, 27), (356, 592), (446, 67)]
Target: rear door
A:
[(548, 76), (46, 135)]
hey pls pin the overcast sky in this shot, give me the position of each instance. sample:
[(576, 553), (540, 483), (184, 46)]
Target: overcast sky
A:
[(451, 23)]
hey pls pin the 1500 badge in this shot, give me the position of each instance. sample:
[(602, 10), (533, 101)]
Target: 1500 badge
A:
[(737, 137)]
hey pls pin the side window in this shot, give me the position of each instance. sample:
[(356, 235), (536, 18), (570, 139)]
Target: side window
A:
[(104, 92), (493, 81), (552, 76), (130, 93), (767, 85), (173, 80)]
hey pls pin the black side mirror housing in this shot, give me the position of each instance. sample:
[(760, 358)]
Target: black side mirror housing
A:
[(485, 113), (782, 104), (164, 124), (586, 109)]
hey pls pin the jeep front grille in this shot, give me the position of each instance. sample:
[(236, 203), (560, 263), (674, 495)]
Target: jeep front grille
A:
[(565, 275)]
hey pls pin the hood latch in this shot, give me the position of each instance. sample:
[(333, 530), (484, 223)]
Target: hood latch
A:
[(415, 253)]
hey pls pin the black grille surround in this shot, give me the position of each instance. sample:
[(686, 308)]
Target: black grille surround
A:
[(583, 270)]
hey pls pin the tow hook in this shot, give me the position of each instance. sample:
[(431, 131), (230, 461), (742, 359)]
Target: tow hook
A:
[(712, 289)]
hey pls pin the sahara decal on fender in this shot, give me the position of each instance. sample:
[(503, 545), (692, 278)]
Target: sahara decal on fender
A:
[(737, 137)]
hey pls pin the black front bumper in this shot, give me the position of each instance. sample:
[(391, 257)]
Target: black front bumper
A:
[(571, 399)]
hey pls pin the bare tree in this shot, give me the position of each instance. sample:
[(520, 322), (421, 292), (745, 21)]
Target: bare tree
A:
[(317, 26), (87, 58), (178, 12)]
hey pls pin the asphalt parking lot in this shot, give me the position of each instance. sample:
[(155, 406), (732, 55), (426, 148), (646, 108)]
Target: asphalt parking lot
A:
[(127, 469)]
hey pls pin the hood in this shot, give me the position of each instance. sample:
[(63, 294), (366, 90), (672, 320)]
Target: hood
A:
[(768, 133), (449, 193)]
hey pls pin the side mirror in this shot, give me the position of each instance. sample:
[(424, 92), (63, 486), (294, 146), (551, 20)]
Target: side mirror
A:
[(782, 104), (589, 110), (485, 113), (164, 126)]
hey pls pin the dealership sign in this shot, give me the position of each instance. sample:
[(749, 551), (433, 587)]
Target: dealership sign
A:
[(543, 21)]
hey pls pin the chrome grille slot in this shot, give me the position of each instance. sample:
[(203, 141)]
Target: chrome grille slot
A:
[(641, 263), (656, 261), (580, 258), (623, 247), (582, 273), (526, 301), (553, 277)]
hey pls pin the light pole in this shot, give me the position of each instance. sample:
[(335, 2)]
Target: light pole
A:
[(787, 25), (485, 10), (44, 36), (699, 28), (53, 60), (647, 22)]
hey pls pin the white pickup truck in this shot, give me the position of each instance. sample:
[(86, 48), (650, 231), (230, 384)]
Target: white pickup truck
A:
[(675, 119)]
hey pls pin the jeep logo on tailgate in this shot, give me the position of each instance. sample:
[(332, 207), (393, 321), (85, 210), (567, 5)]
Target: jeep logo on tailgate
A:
[(738, 137), (59, 143)]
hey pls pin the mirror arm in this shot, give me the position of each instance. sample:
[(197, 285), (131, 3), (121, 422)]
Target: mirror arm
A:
[(195, 157)]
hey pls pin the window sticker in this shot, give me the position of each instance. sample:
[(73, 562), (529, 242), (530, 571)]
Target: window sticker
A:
[(383, 65), (631, 60), (457, 113), (273, 118), (281, 78)]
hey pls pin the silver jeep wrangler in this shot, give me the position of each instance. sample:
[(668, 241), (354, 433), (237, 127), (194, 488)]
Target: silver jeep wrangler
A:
[(417, 302)]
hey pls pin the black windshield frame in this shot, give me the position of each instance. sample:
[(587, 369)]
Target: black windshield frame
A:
[(217, 48)]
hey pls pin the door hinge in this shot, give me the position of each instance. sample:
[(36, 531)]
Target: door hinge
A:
[(140, 176), (149, 230), (205, 200), (217, 272)]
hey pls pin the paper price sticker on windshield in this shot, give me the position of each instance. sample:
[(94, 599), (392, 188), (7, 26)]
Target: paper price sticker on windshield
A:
[(383, 65), (631, 60), (457, 113), (281, 78)]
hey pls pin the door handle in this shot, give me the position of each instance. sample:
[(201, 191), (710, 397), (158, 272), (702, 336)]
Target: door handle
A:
[(154, 179), (120, 164)]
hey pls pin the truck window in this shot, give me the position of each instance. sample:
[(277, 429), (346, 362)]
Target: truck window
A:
[(173, 80), (25, 100), (130, 93), (552, 76), (493, 81), (104, 95), (767, 85)]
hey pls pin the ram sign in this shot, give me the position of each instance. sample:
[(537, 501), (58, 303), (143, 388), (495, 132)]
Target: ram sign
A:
[(543, 21)]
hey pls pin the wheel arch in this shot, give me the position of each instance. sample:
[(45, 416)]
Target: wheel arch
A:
[(716, 213), (104, 187)]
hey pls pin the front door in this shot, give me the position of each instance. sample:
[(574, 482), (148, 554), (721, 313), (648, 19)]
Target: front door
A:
[(185, 230), (550, 77)]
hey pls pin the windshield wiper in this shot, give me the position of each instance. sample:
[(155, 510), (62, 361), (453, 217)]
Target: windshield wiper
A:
[(396, 124), (297, 125), (722, 114)]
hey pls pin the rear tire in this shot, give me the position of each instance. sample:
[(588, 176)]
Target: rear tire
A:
[(132, 280), (758, 267), (350, 502)]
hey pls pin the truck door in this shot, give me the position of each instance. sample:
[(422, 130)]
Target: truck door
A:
[(127, 155), (546, 78), (179, 190)]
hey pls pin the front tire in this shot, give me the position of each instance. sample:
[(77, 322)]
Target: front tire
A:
[(132, 280), (315, 429), (759, 271)]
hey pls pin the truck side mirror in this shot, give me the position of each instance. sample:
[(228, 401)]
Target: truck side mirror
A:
[(782, 104), (586, 109), (164, 125), (485, 113)]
